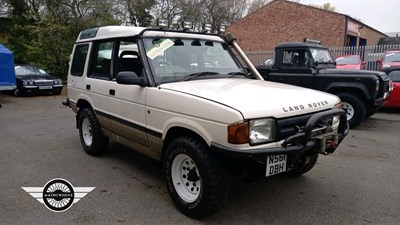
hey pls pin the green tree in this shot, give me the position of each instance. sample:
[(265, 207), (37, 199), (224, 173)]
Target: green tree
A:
[(326, 6), (42, 32), (137, 12)]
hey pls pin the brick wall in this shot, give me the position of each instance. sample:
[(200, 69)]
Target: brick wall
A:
[(281, 21), (366, 32), (372, 36)]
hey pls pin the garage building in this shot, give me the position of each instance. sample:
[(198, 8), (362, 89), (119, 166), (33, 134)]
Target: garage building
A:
[(282, 20)]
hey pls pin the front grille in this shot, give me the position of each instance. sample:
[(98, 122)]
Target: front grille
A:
[(386, 86), (383, 88), (287, 127), (290, 126), (44, 82)]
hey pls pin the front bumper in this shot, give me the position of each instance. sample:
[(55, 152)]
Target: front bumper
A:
[(299, 143), (36, 89), (381, 101)]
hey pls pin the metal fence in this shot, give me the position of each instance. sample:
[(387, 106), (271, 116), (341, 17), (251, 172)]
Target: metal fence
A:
[(369, 54)]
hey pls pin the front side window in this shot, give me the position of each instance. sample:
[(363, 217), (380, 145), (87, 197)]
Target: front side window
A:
[(176, 59), (101, 64), (128, 58), (321, 55), (79, 59)]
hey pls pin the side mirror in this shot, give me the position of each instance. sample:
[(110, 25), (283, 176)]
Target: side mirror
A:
[(131, 78)]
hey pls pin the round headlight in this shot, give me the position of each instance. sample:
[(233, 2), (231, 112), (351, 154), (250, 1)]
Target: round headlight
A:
[(24, 82)]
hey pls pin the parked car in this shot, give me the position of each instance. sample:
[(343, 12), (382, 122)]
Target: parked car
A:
[(394, 99), (33, 80), (204, 122), (311, 65), (390, 62), (351, 62)]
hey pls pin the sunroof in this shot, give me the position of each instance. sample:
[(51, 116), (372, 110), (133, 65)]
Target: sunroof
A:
[(89, 33)]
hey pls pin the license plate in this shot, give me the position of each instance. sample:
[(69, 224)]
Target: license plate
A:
[(276, 164), (45, 87)]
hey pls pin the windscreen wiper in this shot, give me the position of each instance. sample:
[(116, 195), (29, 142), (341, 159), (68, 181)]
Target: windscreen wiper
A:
[(241, 73), (199, 74), (327, 62)]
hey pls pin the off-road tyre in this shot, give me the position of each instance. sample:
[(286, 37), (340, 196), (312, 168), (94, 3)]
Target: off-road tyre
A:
[(358, 106), (305, 165), (213, 177), (92, 139)]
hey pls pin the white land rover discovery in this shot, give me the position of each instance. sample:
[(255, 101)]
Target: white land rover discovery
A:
[(185, 99)]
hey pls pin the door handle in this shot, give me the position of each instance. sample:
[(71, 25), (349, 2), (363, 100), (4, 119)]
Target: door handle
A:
[(87, 87), (112, 92)]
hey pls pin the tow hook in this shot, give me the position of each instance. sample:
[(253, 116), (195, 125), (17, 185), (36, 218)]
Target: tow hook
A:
[(332, 143), (327, 143)]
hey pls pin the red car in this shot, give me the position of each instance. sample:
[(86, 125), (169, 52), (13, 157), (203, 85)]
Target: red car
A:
[(394, 99), (350, 62), (391, 61)]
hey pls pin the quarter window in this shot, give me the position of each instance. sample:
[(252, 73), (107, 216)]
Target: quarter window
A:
[(78, 62)]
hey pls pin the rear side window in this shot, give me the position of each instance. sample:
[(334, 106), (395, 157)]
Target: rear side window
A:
[(78, 62), (295, 58), (101, 64)]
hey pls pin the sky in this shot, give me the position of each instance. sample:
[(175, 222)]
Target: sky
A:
[(383, 15)]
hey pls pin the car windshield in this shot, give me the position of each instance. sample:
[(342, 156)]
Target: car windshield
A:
[(348, 60), (175, 59), (321, 55), (392, 57), (395, 76), (28, 70)]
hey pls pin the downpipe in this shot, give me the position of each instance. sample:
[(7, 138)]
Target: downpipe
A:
[(232, 41)]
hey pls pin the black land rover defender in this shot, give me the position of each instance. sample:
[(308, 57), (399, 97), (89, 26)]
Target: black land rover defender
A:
[(310, 65)]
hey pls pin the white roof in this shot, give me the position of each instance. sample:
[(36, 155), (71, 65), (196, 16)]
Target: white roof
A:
[(113, 32), (127, 31), (182, 35)]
